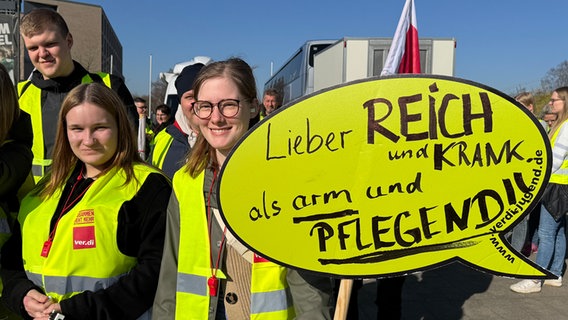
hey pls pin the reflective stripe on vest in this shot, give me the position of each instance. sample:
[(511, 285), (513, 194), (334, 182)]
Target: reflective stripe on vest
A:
[(263, 302), (63, 285), (40, 167), (560, 176), (30, 102), (162, 143), (269, 293), (191, 283), (84, 254)]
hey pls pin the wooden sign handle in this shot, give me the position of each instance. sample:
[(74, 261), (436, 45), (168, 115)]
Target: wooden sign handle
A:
[(343, 296)]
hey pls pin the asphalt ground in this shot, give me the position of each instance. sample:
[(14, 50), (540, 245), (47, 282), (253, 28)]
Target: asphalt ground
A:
[(456, 291)]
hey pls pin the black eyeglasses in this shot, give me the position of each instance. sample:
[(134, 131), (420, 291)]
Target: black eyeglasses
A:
[(228, 108), (554, 100)]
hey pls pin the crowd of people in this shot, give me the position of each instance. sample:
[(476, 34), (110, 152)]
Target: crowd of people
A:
[(549, 239), (90, 230), (98, 225)]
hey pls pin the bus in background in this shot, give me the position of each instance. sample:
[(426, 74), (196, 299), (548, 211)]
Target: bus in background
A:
[(295, 78), (320, 64), (171, 98)]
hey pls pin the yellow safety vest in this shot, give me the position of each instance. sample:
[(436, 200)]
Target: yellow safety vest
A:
[(560, 176), (149, 131), (162, 143), (84, 254), (269, 298), (30, 102)]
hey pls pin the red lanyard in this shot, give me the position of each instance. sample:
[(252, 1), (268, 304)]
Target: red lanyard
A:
[(66, 206), (213, 282)]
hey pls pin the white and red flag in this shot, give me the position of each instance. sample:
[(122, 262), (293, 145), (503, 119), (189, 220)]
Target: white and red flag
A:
[(404, 53)]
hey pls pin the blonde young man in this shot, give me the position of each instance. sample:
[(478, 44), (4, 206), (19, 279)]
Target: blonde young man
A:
[(48, 42)]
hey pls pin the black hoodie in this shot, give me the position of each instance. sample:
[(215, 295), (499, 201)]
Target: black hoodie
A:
[(53, 91)]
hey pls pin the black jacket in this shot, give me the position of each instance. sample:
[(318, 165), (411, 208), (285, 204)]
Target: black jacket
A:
[(177, 152), (15, 160), (53, 91)]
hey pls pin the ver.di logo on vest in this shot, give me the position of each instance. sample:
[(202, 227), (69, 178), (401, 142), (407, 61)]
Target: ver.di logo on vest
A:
[(84, 236)]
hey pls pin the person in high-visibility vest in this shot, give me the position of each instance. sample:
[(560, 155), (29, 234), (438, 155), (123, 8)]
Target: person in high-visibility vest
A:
[(163, 118), (552, 223), (206, 273), (172, 144), (92, 231), (48, 41)]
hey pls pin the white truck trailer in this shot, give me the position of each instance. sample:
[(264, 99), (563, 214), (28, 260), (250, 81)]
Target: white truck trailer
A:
[(351, 59)]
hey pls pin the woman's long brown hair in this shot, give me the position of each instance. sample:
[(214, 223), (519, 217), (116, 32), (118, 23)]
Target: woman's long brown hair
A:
[(64, 160)]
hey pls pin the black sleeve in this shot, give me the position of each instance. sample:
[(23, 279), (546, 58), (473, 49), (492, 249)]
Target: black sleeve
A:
[(141, 224), (16, 155), (118, 85), (14, 279), (15, 164)]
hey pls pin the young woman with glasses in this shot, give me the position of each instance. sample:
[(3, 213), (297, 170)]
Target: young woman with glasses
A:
[(206, 272)]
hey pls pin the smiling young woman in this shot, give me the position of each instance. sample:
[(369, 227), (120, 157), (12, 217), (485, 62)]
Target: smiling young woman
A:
[(92, 230), (206, 272)]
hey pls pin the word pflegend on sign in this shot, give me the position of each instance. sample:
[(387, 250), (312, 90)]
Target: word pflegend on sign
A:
[(389, 176)]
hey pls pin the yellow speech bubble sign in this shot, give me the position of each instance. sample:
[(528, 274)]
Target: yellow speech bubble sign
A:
[(387, 177)]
